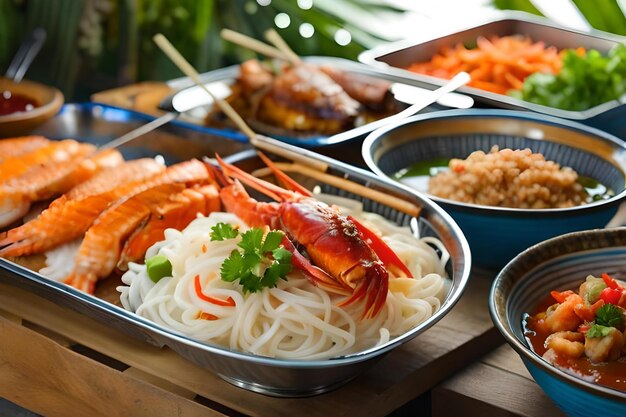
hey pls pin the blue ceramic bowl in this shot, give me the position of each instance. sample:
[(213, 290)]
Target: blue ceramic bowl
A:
[(559, 263), (497, 234)]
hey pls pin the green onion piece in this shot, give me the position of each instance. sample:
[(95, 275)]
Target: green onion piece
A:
[(158, 267)]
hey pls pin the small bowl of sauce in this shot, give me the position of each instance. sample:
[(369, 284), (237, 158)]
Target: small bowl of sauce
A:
[(15, 102), (26, 105)]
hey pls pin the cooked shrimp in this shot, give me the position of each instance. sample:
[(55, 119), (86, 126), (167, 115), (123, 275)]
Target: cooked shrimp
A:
[(14, 147), (606, 348), (53, 152), (69, 219), (566, 343), (69, 216), (564, 316), (100, 249), (49, 180), (175, 213)]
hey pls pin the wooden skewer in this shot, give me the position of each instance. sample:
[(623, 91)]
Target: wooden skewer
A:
[(191, 72), (273, 36), (375, 195), (253, 44)]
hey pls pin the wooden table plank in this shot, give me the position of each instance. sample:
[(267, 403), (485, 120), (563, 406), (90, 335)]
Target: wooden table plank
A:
[(496, 385), (48, 378), (410, 370)]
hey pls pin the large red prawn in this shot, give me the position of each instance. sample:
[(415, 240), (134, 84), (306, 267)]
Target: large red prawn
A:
[(345, 257)]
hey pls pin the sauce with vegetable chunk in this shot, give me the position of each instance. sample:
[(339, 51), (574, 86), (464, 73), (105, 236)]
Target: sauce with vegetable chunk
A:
[(583, 333)]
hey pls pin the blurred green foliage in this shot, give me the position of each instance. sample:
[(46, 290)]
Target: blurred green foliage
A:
[(603, 15), (98, 44)]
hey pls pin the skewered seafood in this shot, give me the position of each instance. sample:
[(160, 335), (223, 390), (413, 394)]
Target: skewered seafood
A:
[(177, 212), (69, 217), (100, 249), (53, 153), (360, 271), (49, 180), (13, 147)]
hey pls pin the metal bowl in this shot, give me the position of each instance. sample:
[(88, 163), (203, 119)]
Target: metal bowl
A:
[(497, 234), (279, 377), (558, 264)]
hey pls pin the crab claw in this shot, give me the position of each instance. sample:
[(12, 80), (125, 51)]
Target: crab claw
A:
[(374, 286), (392, 262)]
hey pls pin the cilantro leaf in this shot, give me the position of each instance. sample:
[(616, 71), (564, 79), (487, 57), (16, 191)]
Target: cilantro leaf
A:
[(251, 240), (232, 267), (271, 275), (610, 315), (222, 231), (281, 255), (272, 241), (251, 282), (598, 331), (283, 261), (259, 262)]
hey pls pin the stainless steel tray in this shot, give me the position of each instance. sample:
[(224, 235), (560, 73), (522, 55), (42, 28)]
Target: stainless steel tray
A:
[(266, 375), (193, 103), (392, 58)]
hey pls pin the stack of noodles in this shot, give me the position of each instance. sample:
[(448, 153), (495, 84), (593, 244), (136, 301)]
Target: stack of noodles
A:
[(295, 320), (109, 210)]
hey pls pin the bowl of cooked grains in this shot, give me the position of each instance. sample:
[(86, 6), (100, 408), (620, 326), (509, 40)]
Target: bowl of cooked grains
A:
[(510, 179)]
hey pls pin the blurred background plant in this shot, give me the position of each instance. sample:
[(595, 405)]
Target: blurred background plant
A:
[(94, 45), (97, 44)]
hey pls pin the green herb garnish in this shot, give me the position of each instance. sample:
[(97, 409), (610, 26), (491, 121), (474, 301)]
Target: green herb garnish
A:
[(222, 231), (610, 315), (584, 81), (260, 262), (598, 331)]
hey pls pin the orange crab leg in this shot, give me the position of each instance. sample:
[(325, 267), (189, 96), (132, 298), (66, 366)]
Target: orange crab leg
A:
[(288, 181), (267, 188), (385, 253)]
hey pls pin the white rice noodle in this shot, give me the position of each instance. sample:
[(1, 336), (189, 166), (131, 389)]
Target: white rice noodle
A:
[(295, 320)]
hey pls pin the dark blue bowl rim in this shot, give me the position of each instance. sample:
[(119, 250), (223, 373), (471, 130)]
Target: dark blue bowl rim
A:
[(377, 135), (499, 318)]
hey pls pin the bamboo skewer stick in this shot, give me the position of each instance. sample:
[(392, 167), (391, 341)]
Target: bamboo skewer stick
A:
[(273, 36), (191, 72), (375, 195), (252, 44)]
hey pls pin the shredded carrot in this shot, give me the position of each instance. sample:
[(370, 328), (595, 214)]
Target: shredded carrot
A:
[(229, 302), (497, 64), (207, 316), (204, 248)]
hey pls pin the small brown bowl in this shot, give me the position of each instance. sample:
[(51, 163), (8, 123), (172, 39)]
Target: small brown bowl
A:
[(49, 100)]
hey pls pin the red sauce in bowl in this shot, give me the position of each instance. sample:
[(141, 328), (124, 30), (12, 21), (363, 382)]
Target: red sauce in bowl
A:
[(13, 103)]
